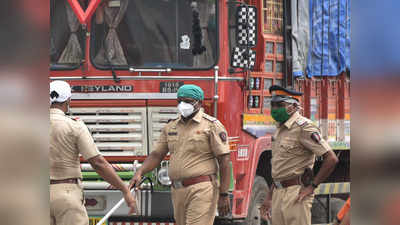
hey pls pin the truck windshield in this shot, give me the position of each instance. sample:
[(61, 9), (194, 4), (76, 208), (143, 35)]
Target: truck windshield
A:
[(180, 34), (66, 36)]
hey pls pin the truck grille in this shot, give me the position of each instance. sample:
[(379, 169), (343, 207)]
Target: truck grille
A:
[(116, 131), (158, 117)]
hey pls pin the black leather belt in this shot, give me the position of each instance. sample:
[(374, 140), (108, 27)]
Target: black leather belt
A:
[(287, 183), (65, 181)]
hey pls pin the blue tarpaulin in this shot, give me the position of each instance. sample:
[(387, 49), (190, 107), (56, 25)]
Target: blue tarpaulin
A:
[(300, 15), (329, 48)]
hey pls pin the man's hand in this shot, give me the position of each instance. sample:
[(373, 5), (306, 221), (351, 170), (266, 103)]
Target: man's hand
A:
[(130, 201), (265, 209), (134, 183), (223, 206), (304, 192)]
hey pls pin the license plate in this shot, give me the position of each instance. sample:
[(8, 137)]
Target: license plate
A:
[(170, 86)]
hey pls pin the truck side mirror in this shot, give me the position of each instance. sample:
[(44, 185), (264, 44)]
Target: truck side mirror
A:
[(246, 26)]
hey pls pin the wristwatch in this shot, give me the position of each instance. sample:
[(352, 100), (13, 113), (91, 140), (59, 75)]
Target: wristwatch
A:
[(223, 194), (314, 185)]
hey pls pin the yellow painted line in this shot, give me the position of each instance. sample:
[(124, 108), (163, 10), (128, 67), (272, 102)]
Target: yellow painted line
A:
[(333, 188), (327, 188), (347, 187), (336, 188)]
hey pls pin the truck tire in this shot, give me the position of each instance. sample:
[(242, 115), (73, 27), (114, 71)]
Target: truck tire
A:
[(258, 194), (319, 213)]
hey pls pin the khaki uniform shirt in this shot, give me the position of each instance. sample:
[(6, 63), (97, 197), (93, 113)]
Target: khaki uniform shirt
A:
[(68, 139), (193, 145), (294, 149)]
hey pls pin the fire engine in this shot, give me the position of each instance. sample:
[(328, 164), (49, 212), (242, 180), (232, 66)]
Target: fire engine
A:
[(125, 60)]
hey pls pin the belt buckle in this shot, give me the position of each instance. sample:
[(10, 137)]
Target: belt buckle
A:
[(177, 184), (278, 184)]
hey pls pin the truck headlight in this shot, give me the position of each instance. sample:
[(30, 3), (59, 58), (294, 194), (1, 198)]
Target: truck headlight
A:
[(163, 177)]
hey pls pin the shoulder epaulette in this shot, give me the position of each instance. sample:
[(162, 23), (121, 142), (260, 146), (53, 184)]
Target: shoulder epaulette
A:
[(172, 119), (210, 118), (301, 121), (75, 118)]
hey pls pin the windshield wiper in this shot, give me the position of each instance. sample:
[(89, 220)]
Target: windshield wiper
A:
[(116, 79)]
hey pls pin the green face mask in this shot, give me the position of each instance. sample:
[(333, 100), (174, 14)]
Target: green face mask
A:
[(280, 115)]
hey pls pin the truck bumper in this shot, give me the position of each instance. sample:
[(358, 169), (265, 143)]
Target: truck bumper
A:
[(150, 204)]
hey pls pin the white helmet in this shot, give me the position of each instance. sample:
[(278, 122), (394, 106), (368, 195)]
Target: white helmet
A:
[(60, 91)]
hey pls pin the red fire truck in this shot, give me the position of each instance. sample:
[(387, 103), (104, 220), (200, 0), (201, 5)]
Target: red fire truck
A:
[(125, 60)]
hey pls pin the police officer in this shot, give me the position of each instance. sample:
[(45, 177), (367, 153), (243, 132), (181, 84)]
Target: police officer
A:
[(68, 139), (294, 146), (198, 146)]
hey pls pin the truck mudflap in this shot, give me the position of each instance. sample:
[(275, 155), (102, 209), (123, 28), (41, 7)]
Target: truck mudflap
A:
[(99, 202)]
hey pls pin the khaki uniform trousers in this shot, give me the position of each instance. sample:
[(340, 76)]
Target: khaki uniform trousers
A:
[(67, 205), (195, 204), (285, 209)]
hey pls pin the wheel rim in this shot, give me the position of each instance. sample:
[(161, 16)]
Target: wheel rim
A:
[(255, 217), (257, 199)]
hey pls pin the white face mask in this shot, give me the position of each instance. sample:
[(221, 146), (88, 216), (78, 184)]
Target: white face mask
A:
[(185, 109)]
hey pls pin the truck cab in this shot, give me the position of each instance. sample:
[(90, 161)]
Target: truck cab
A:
[(125, 60)]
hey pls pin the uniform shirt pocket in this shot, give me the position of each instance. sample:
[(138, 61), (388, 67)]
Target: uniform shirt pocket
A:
[(291, 147), (197, 138), (172, 143), (199, 141)]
